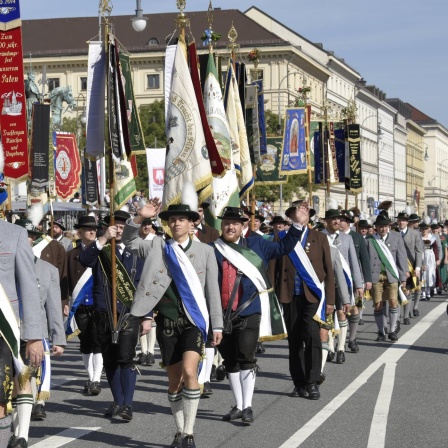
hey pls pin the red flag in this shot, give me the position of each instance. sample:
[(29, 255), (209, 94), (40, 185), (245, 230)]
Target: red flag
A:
[(67, 165)]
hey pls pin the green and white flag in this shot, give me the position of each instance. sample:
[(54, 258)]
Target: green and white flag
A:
[(124, 185), (225, 189)]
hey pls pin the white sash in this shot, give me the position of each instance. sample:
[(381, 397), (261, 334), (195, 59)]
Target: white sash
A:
[(39, 247)]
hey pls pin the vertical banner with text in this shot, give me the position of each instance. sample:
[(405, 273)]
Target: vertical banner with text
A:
[(353, 179)]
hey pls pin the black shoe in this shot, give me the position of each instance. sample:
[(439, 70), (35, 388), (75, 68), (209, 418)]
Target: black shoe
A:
[(188, 441), (38, 413), (177, 442), (207, 391), (141, 359), (248, 416), (150, 360), (393, 336), (298, 392), (17, 443), (330, 356), (12, 441), (113, 410), (416, 313), (313, 390), (260, 348), (87, 387), (353, 346), (406, 321), (361, 322), (397, 327), (234, 414), (220, 373), (213, 373), (321, 379), (340, 357), (381, 337), (95, 388), (126, 413)]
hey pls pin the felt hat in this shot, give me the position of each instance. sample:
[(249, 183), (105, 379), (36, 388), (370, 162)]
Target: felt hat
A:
[(29, 226), (119, 216), (60, 223), (332, 213), (233, 213), (179, 210), (86, 221), (297, 204), (278, 220)]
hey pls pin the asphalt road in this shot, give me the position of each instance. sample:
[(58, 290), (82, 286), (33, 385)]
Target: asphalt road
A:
[(387, 395)]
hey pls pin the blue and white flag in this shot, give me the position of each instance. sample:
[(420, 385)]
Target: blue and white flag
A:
[(83, 288), (189, 286)]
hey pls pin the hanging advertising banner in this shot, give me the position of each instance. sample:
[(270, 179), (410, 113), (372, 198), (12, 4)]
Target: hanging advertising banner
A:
[(267, 171), (353, 182), (13, 121), (155, 158), (67, 165), (293, 158)]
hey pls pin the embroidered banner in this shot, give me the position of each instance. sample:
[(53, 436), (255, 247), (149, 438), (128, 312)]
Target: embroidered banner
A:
[(40, 145), (89, 182), (67, 165), (353, 179), (267, 171), (155, 158), (13, 121), (261, 117)]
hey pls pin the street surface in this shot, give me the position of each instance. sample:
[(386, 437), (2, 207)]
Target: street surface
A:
[(387, 395)]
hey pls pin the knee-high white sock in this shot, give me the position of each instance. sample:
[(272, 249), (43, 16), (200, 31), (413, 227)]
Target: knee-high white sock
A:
[(97, 366), (247, 378), (393, 317), (5, 430), (190, 399), (144, 343), (379, 320), (201, 377), (15, 416), (33, 388), (209, 355), (325, 350), (406, 309), (87, 360), (330, 342), (152, 339), (353, 322), (343, 324), (235, 386), (417, 296), (361, 312), (177, 409), (24, 408), (385, 313)]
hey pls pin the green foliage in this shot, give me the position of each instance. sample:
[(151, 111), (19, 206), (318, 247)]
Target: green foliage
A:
[(271, 120), (70, 125)]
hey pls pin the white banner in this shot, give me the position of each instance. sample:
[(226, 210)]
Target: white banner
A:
[(155, 158), (95, 103)]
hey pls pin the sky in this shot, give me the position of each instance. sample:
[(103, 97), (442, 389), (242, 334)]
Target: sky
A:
[(399, 46)]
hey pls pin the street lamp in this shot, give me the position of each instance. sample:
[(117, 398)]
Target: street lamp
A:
[(279, 87), (139, 21)]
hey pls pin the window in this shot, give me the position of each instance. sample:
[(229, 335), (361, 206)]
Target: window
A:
[(153, 41), (83, 81), (53, 83), (153, 81)]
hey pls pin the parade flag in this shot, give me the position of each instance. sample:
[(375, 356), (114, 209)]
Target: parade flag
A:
[(252, 124), (333, 174), (238, 135), (293, 159), (225, 189), (136, 137), (13, 120), (40, 145), (268, 169), (155, 158), (67, 165), (95, 113), (89, 182), (124, 185), (261, 117), (316, 147), (339, 142), (187, 157), (353, 175)]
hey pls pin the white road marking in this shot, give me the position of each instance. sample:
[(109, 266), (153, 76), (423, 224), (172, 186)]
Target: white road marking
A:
[(391, 356), (64, 437), (377, 436)]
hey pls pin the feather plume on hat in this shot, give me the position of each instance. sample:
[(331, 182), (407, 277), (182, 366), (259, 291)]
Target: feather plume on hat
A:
[(385, 205), (407, 210), (2, 158), (355, 210), (434, 221), (36, 213), (332, 204), (363, 216), (426, 220), (189, 196), (125, 208)]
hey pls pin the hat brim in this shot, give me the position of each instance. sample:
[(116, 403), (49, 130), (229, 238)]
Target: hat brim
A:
[(59, 225), (311, 211), (81, 226), (191, 215), (234, 218)]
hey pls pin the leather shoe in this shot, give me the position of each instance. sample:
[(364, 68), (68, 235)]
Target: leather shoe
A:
[(381, 337), (397, 327), (298, 392), (248, 416), (353, 346), (406, 321), (313, 391), (177, 442), (340, 357), (15, 442), (38, 413), (234, 414), (188, 441), (126, 413), (142, 359), (112, 410), (150, 360), (321, 379), (95, 388), (393, 336), (260, 348), (87, 387), (207, 391), (220, 373), (416, 313), (361, 322), (330, 356)]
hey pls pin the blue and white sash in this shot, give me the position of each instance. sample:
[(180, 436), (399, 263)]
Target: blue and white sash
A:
[(189, 286), (83, 287), (43, 392), (305, 269)]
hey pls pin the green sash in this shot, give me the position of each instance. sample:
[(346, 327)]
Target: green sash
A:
[(383, 258), (124, 286)]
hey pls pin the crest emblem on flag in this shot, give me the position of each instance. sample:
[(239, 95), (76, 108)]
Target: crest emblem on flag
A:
[(158, 175)]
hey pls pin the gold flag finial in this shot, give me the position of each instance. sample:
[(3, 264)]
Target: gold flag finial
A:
[(233, 36), (210, 15), (106, 7), (182, 21)]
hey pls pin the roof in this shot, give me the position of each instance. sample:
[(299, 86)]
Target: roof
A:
[(420, 117), (68, 36)]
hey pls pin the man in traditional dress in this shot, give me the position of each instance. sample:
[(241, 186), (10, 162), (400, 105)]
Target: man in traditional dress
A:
[(300, 277), (344, 243), (389, 268), (80, 283), (58, 235), (118, 358), (203, 232), (247, 301), (180, 282)]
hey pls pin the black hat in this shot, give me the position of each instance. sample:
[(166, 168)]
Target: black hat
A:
[(382, 219), (204, 205), (278, 220), (260, 217), (413, 217), (319, 226), (423, 226), (297, 204), (332, 213), (364, 223), (86, 221), (233, 213), (179, 209), (348, 215), (436, 225), (403, 216), (29, 226), (445, 224), (247, 211), (152, 222), (119, 215), (60, 224), (265, 228)]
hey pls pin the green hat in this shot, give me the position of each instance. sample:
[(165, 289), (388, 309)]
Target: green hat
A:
[(179, 210), (29, 226), (348, 215), (333, 213)]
